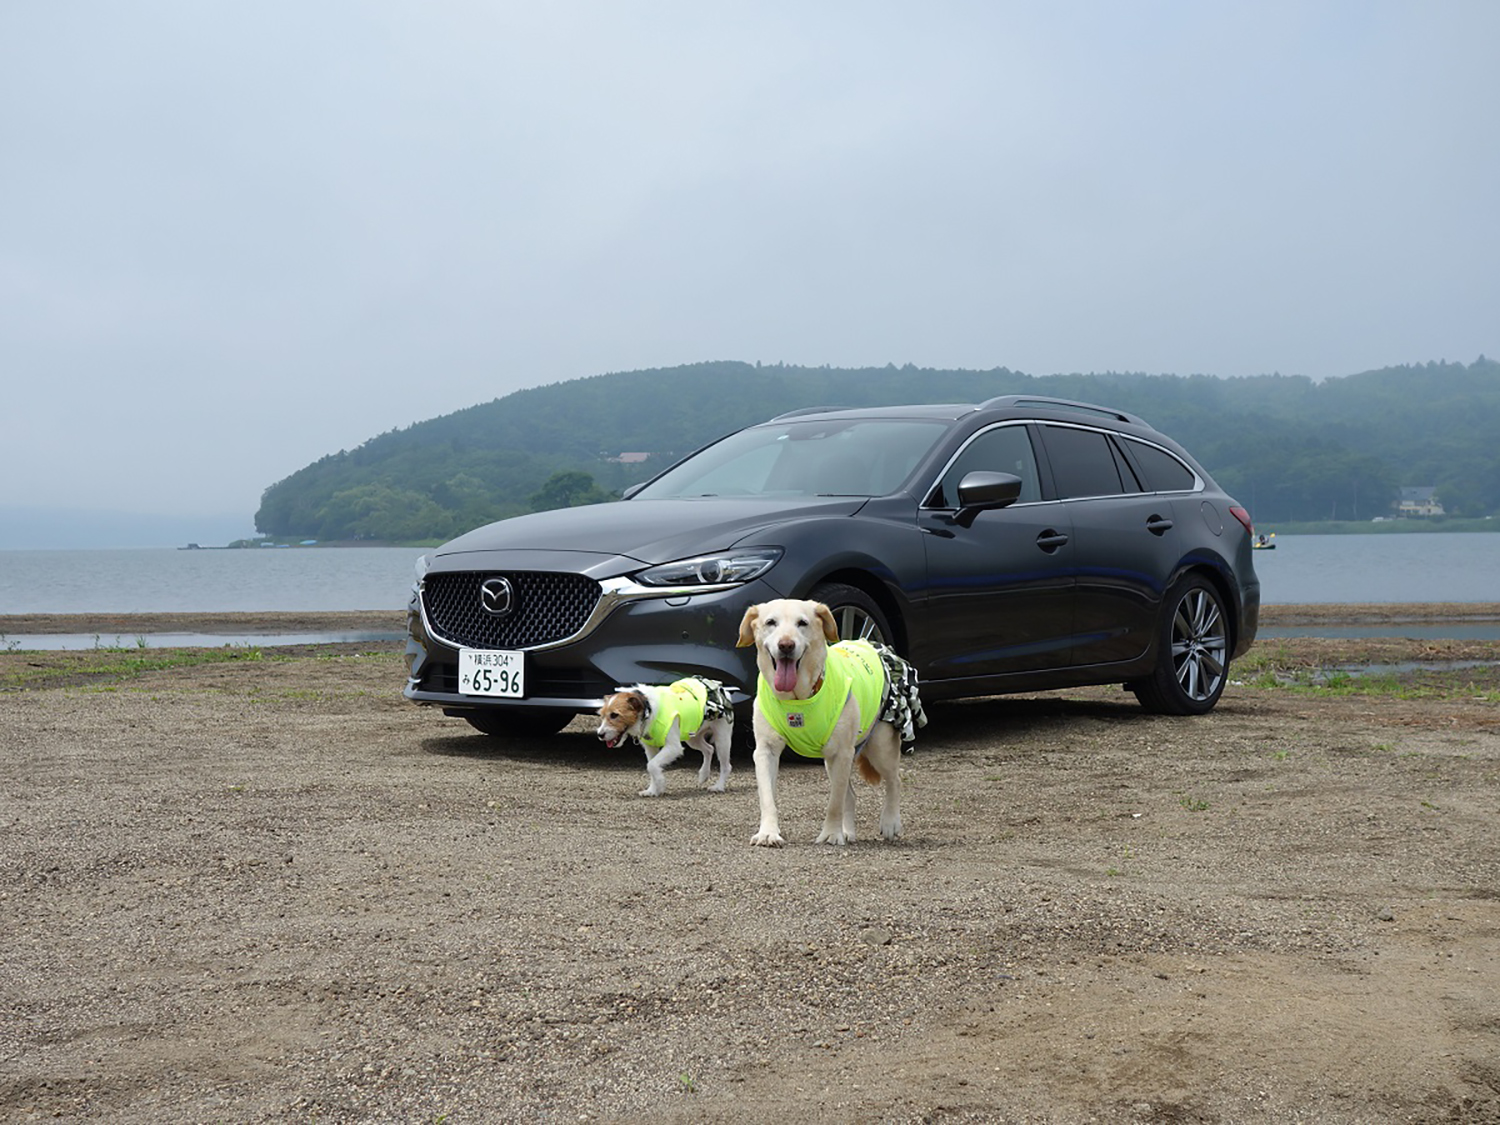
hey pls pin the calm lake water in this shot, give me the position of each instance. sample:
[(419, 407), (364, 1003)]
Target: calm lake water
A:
[(1304, 569), (1434, 567), (207, 581)]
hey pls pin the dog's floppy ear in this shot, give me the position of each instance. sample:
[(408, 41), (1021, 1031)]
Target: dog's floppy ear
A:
[(830, 627), (638, 700), (747, 627)]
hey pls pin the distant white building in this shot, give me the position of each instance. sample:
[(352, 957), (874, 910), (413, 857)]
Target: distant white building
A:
[(1419, 500)]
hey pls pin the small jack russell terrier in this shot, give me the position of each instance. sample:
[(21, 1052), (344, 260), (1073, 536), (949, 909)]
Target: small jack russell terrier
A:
[(694, 711)]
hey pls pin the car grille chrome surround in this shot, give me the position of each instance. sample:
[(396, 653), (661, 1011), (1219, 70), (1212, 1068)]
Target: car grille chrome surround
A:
[(549, 608)]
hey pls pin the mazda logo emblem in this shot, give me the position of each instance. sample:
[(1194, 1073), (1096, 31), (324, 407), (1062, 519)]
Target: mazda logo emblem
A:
[(497, 596)]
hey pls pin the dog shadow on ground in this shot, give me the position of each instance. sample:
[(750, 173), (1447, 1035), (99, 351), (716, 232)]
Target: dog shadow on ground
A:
[(568, 749)]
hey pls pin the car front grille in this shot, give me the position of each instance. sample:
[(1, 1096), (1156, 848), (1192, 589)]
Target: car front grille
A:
[(547, 608)]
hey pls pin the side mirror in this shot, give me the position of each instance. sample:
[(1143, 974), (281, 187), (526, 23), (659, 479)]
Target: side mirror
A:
[(983, 492), (632, 490)]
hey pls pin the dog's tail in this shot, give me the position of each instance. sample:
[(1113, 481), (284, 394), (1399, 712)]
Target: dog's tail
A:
[(867, 771)]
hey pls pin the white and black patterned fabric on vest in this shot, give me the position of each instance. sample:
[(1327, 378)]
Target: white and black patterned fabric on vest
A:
[(903, 706), (716, 703)]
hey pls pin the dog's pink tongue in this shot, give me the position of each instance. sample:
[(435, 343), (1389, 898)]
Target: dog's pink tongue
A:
[(786, 675)]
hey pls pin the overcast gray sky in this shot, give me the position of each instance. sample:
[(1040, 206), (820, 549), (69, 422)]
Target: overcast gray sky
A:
[(237, 236)]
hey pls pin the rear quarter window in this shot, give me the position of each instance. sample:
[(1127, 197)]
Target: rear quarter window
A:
[(1164, 473)]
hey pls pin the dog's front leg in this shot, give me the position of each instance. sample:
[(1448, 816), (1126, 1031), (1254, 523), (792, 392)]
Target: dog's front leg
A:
[(838, 824), (768, 748), (657, 763), (838, 761)]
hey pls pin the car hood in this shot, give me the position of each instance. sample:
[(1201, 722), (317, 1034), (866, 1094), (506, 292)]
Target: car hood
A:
[(644, 531)]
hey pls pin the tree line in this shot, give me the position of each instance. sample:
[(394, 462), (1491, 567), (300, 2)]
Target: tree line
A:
[(1289, 448)]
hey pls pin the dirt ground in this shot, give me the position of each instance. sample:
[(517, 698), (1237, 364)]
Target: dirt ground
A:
[(256, 885)]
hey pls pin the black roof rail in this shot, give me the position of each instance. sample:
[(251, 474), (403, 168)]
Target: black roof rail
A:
[(1012, 402)]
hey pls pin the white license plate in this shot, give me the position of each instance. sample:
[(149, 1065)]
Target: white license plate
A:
[(483, 671)]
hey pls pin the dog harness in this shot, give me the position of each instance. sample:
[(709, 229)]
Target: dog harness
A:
[(859, 668), (693, 700)]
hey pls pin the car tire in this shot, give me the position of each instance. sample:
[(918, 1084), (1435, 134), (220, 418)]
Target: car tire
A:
[(1192, 651), (536, 722), (854, 612)]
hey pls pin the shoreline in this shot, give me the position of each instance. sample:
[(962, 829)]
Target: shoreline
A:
[(264, 623), (272, 623)]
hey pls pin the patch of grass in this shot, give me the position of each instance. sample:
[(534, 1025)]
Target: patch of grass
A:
[(128, 666), (1350, 670), (119, 645), (1113, 872), (50, 669), (1419, 684), (1194, 804), (1265, 658)]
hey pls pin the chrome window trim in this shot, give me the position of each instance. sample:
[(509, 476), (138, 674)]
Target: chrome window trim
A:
[(1199, 485), (1197, 480)]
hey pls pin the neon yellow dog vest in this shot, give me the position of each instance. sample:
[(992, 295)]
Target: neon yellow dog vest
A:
[(686, 699), (853, 666)]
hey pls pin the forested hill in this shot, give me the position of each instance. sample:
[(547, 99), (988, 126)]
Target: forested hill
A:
[(1289, 448)]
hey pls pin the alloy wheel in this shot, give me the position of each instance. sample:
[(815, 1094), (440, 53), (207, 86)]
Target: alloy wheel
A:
[(1200, 644), (854, 624)]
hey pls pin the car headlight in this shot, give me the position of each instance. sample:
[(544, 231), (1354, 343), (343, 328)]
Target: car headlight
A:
[(725, 569), (421, 568)]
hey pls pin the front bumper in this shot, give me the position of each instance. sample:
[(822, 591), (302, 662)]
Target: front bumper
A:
[(651, 640)]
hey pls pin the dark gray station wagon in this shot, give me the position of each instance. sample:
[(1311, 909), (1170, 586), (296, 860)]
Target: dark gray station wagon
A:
[(1021, 544)]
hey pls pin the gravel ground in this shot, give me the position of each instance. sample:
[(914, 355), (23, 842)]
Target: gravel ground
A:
[(262, 887)]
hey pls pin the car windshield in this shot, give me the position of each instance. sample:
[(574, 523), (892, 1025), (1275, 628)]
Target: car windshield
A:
[(822, 457)]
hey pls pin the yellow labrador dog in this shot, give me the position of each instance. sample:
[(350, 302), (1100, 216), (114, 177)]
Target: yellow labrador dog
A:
[(832, 700)]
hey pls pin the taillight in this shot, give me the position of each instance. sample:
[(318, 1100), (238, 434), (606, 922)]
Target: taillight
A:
[(1244, 517)]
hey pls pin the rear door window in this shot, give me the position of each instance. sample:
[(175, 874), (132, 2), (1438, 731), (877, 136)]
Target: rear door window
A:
[(1084, 463)]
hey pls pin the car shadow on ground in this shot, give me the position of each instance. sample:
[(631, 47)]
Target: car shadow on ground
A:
[(579, 749), (1008, 717), (1004, 718)]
